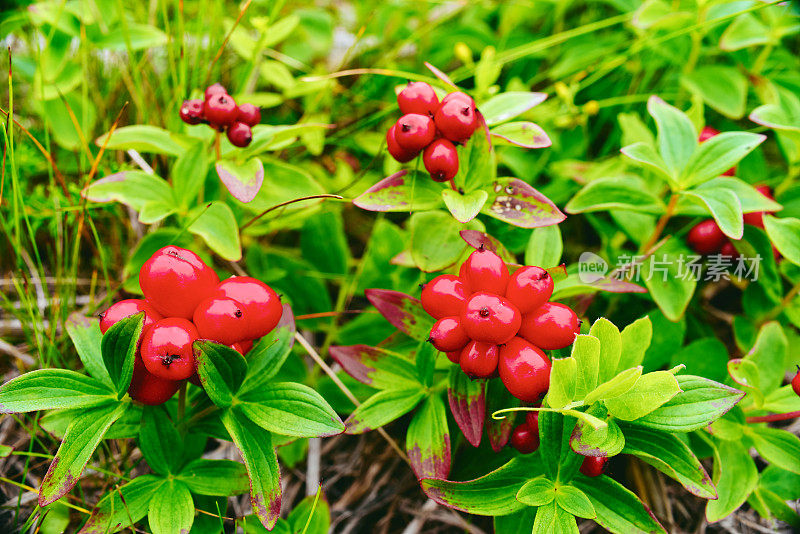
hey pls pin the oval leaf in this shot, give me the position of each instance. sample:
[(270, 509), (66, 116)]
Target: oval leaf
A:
[(243, 179), (519, 204)]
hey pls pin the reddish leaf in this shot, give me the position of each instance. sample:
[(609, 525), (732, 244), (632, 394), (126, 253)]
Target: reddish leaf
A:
[(523, 134), (441, 75), (375, 367), (428, 440), (613, 285), (401, 192), (242, 180), (519, 204), (558, 273), (467, 399), (476, 239), (402, 311)]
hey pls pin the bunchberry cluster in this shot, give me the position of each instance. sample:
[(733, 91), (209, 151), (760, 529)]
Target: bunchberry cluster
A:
[(185, 301), (495, 324), (433, 128), (219, 110)]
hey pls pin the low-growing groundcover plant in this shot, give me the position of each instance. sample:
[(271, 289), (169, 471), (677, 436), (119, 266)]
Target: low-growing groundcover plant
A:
[(497, 266)]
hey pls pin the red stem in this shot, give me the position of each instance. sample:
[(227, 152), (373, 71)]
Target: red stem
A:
[(774, 417)]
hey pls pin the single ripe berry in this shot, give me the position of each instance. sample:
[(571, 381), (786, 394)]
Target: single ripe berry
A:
[(447, 335), (757, 218), (441, 160), (167, 349), (485, 271), (220, 110), (418, 97), (796, 381), (148, 388), (414, 131), (444, 296), (456, 118), (528, 288), (239, 134), (192, 111), (593, 466), (249, 114), (479, 360), (174, 280), (706, 237), (525, 439), (125, 308), (490, 318), (729, 251), (261, 305), (221, 319), (215, 89), (551, 326), (395, 150), (532, 420), (453, 355), (524, 370)]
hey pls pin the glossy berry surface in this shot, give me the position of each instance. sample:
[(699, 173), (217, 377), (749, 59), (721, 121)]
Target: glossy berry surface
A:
[(214, 89), (485, 271), (444, 296), (551, 326), (249, 114), (174, 280), (447, 335), (148, 388), (529, 287), (524, 369), (593, 466), (490, 318), (239, 134), (167, 349), (262, 305), (796, 382), (479, 360), (221, 319), (414, 131), (418, 97), (192, 111), (525, 439), (220, 110), (706, 237), (729, 251), (441, 160), (242, 347), (453, 355), (532, 420), (125, 308), (399, 153), (456, 118)]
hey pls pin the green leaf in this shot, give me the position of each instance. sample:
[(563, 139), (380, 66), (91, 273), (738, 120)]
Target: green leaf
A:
[(718, 154), (51, 389), (645, 154), (607, 441), (619, 192), (508, 105), (315, 513), (132, 188), (477, 167), (215, 477), (537, 492), (777, 507), (518, 204), (618, 509), (134, 37), (776, 446), (700, 402), (428, 440), (722, 87), (382, 408), (255, 445), (86, 337), (243, 179), (610, 347), (769, 356), (122, 507), (217, 226), (671, 291), (562, 382), (746, 374), (544, 247), (636, 339), (403, 311), (785, 236), (119, 346), (735, 476), (403, 191), (750, 199), (586, 351), (745, 30), (324, 242), (492, 494), (676, 138), (558, 459), (523, 134), (171, 509), (376, 367), (83, 436), (574, 501), (160, 442), (435, 240), (552, 519), (221, 370), (615, 387), (269, 353), (648, 393), (467, 400), (291, 409), (144, 138), (425, 362), (670, 455), (517, 523), (464, 207), (189, 174)]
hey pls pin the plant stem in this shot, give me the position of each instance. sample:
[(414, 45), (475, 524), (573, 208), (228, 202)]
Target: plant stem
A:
[(773, 417), (216, 146), (453, 185), (662, 223)]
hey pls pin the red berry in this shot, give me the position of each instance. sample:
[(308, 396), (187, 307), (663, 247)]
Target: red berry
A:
[(174, 280), (260, 303), (444, 296), (192, 111), (454, 355), (441, 160), (148, 388), (524, 369), (525, 439), (707, 133), (249, 114), (167, 349), (796, 381), (447, 335), (532, 420), (220, 110), (706, 237), (551, 326), (395, 150), (414, 132), (529, 287), (239, 134), (456, 118), (728, 250), (215, 89), (221, 319), (490, 318), (125, 308), (418, 97), (485, 271), (593, 466), (479, 360), (242, 347)]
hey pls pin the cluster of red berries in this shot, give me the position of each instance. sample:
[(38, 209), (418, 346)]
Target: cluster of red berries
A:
[(220, 111), (432, 127), (492, 323), (185, 301)]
